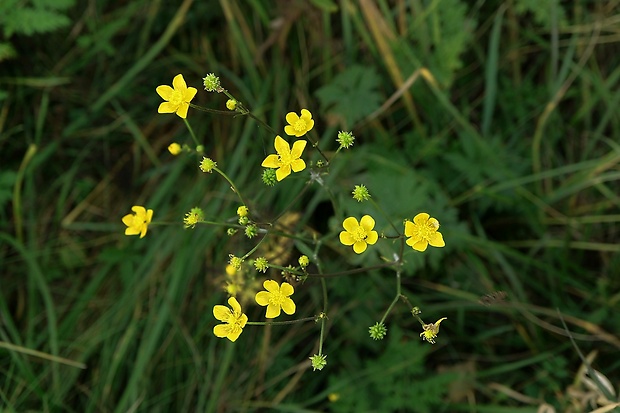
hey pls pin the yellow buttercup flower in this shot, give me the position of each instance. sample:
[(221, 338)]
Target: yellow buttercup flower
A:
[(286, 159), (177, 97), (431, 331), (138, 222), (299, 125), (423, 231), (359, 234), (233, 318), (275, 298), (174, 148)]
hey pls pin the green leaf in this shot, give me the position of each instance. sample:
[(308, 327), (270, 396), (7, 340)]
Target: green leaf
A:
[(29, 21), (352, 95)]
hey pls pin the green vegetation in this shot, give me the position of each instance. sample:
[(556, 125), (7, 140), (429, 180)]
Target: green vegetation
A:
[(498, 118)]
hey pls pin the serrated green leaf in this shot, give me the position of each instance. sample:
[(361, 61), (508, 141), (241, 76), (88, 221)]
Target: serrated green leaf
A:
[(352, 94), (30, 21)]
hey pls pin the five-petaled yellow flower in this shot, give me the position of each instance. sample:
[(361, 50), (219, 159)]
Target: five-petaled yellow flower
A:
[(359, 235), (275, 298), (138, 222), (177, 97), (299, 125), (287, 159), (234, 320), (431, 331), (423, 231)]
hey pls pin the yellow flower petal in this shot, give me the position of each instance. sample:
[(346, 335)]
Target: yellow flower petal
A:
[(139, 210), (305, 115), (283, 172), (221, 330), (167, 107), (350, 224), (282, 146), (288, 306), (421, 218), (298, 148), (436, 240), (221, 312), (271, 161), (262, 298), (286, 289), (189, 94), (367, 222), (243, 321), (273, 311), (421, 245), (291, 118), (128, 220), (271, 286), (234, 335), (346, 238), (165, 92), (131, 231), (182, 110), (234, 304), (178, 83), (372, 237), (359, 247), (289, 130), (149, 216), (298, 165), (409, 228)]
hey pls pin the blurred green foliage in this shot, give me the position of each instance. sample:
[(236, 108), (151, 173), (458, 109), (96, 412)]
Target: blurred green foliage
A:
[(498, 118)]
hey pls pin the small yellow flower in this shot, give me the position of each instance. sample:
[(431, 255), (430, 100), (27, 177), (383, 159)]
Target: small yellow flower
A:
[(299, 125), (431, 331), (230, 270), (193, 217), (286, 159), (242, 211), (177, 97), (423, 231), (359, 235), (275, 298), (234, 320), (138, 222), (174, 148)]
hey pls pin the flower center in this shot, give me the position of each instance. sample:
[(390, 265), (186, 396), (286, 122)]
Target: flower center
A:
[(176, 98), (285, 158), (300, 125), (276, 298), (427, 231), (233, 328), (359, 234)]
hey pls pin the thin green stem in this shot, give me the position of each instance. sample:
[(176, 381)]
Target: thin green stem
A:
[(232, 185), (315, 144), (17, 191), (274, 323), (215, 111), (354, 271), (191, 132), (250, 252), (396, 298), (382, 211), (323, 315)]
